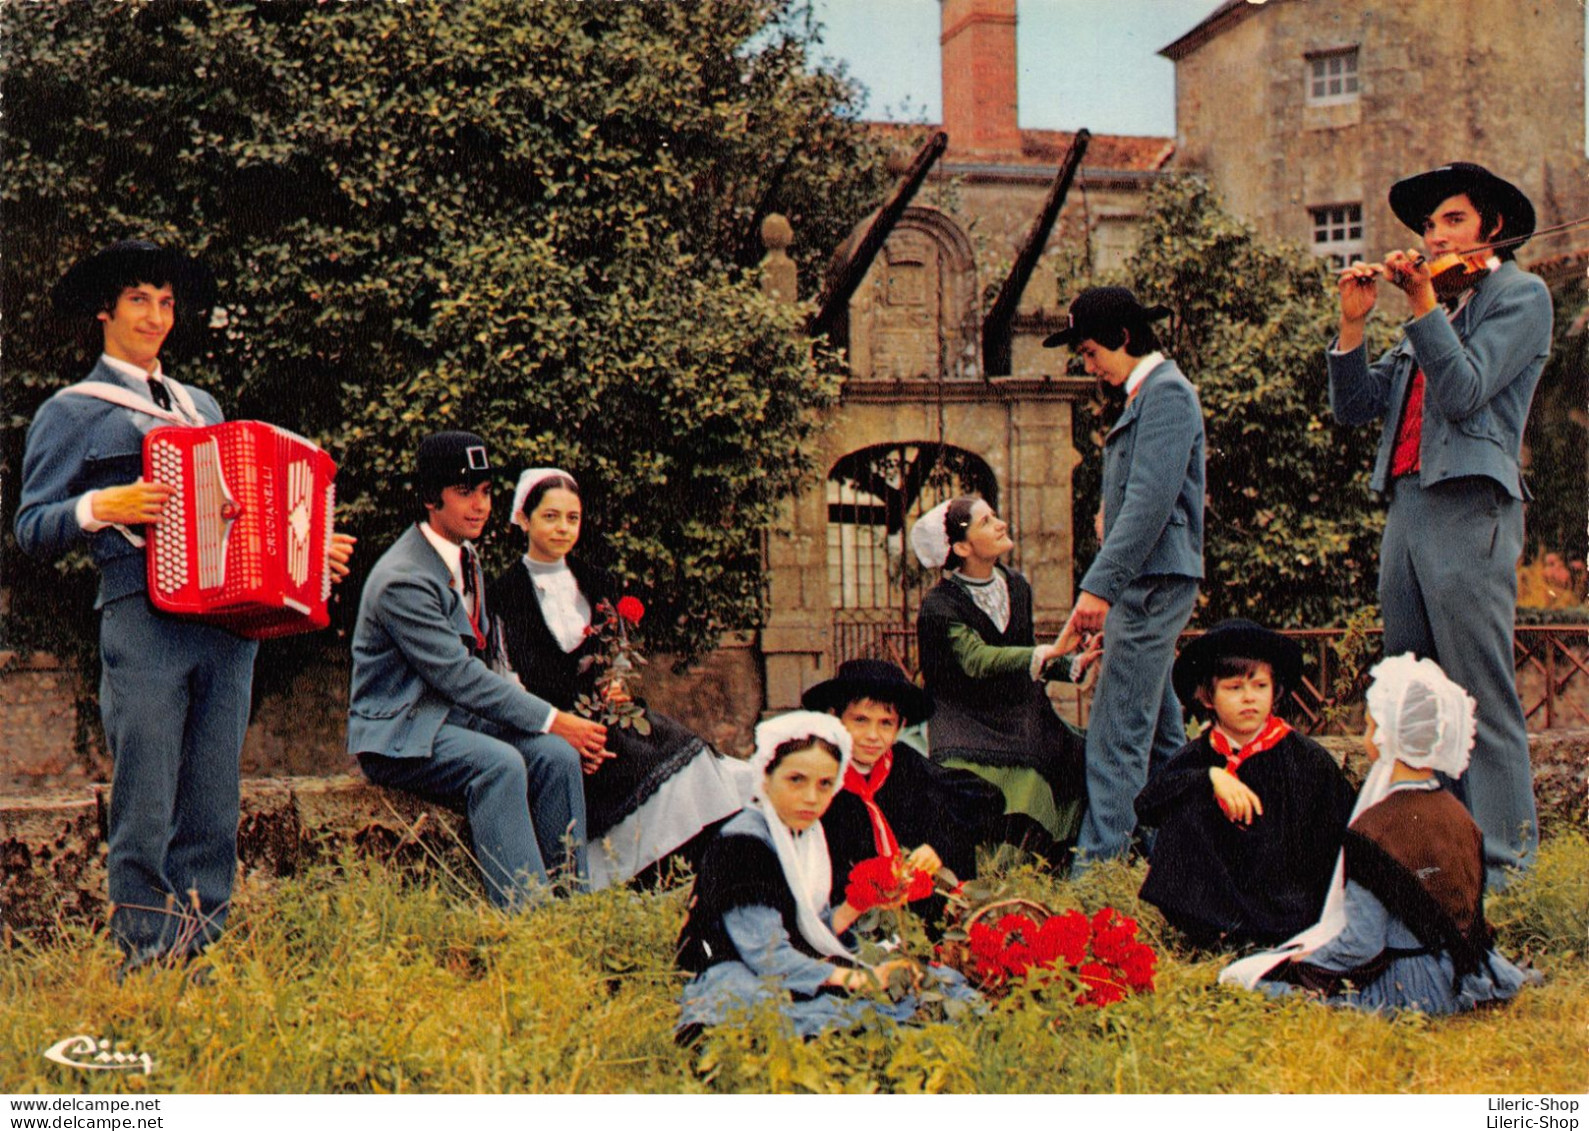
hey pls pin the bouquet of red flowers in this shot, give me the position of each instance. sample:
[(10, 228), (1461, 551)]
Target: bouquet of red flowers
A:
[(1004, 941), (620, 661), (882, 881)]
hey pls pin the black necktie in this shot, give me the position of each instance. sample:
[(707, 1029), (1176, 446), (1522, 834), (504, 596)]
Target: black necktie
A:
[(160, 394)]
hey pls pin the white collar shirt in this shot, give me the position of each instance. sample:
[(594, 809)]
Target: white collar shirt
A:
[(1140, 371), (451, 555)]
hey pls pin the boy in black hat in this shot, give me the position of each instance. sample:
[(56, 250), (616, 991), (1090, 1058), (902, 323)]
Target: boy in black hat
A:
[(1141, 587), (1454, 395), (429, 712), (893, 799), (174, 694), (1249, 815)]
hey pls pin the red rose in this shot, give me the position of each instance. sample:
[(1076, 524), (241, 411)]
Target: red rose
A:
[(920, 886), (984, 941), (1065, 937), (1102, 989), (872, 883), (630, 609), (1112, 935), (1138, 968)]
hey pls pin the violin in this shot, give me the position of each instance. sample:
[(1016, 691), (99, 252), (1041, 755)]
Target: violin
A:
[(1450, 273), (1453, 272)]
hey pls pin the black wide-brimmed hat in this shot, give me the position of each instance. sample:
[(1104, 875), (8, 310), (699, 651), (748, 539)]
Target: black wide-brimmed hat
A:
[(1098, 310), (1235, 637), (85, 287), (1413, 199), (878, 680), (452, 459)]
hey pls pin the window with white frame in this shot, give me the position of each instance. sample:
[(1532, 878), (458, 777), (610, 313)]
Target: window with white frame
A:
[(1333, 77), (1338, 233)]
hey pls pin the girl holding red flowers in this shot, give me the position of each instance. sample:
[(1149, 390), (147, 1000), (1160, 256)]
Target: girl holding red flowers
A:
[(760, 927), (652, 793)]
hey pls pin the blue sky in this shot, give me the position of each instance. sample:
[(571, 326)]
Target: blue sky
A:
[(1072, 56)]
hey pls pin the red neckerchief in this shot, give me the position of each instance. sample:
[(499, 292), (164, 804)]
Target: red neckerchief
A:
[(865, 786), (1268, 736)]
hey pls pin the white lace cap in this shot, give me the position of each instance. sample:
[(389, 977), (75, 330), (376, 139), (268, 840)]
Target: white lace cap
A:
[(527, 483), (774, 732), (929, 537), (1421, 717)]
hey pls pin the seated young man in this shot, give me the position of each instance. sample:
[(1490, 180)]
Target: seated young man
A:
[(1250, 814), (892, 798), (429, 714)]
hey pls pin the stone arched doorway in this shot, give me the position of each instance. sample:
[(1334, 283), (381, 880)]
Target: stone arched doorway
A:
[(873, 496), (915, 315)]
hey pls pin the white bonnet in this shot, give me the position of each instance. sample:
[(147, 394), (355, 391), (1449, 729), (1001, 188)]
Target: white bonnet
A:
[(929, 534), (930, 538), (774, 732), (1421, 717), (527, 483)]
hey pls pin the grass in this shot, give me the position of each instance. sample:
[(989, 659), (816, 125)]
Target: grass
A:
[(357, 978)]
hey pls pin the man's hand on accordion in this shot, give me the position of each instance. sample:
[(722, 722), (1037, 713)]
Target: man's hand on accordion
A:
[(132, 504), (339, 553)]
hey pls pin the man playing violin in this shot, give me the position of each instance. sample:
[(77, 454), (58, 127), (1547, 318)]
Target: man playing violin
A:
[(1454, 395)]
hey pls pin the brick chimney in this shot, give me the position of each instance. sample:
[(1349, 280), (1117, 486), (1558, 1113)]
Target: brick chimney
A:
[(978, 47)]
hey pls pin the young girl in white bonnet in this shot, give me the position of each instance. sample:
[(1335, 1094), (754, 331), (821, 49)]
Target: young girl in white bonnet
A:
[(654, 793), (760, 927), (1403, 927), (987, 674)]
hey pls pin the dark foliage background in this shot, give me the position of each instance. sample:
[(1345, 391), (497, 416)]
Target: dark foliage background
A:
[(534, 221)]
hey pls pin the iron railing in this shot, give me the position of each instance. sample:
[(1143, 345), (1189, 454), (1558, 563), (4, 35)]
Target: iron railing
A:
[(1552, 664)]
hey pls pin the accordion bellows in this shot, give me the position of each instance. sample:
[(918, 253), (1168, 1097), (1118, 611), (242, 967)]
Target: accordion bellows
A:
[(243, 543)]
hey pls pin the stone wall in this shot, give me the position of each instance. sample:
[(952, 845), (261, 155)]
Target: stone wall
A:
[(301, 731)]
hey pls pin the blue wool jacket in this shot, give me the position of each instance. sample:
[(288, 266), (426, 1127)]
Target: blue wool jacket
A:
[(78, 444), (1152, 487), (411, 666), (1480, 370)]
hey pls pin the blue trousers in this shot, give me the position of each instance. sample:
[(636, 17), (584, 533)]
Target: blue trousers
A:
[(1448, 591), (1135, 723), (524, 795), (174, 698)]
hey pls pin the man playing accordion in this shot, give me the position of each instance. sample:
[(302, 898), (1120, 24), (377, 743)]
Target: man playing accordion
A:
[(174, 694)]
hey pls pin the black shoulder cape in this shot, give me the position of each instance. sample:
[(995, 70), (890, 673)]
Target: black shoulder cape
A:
[(547, 670), (643, 762), (737, 870), (1219, 880)]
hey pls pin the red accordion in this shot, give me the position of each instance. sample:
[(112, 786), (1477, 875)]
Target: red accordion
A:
[(243, 543)]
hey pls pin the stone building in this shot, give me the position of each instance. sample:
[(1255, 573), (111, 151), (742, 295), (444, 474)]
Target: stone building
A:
[(1303, 112), (922, 415)]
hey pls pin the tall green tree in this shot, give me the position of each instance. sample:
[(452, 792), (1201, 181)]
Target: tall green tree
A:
[(535, 221), (1292, 528)]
